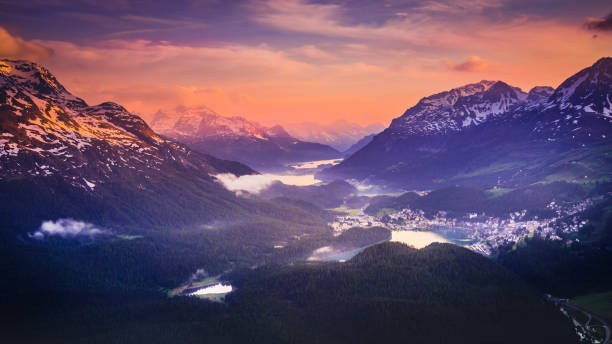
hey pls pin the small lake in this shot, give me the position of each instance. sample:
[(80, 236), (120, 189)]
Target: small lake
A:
[(417, 239), (316, 164), (414, 238), (211, 289)]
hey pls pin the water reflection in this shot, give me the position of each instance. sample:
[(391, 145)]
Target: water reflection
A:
[(212, 289), (417, 239)]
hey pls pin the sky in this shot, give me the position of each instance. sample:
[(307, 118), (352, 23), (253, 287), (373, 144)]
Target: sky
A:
[(290, 61)]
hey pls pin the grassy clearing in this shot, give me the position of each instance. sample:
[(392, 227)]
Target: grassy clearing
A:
[(346, 211), (598, 303), (496, 192), (493, 168), (129, 237)]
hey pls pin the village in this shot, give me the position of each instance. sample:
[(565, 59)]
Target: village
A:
[(482, 234)]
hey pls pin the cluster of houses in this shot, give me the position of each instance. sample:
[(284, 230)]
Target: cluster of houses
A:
[(486, 233)]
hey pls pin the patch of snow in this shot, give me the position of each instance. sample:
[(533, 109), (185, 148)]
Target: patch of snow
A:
[(90, 184)]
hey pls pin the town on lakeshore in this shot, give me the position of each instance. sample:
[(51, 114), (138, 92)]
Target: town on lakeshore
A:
[(480, 233)]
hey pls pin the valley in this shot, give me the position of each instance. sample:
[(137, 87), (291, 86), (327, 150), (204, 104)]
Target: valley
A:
[(437, 228)]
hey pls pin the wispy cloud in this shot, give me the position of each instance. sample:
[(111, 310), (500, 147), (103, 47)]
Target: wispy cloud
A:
[(134, 24), (459, 6), (312, 52), (179, 23), (471, 64), (326, 20)]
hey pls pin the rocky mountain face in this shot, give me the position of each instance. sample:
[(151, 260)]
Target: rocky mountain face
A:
[(340, 134), (491, 133), (459, 108), (236, 138), (62, 148)]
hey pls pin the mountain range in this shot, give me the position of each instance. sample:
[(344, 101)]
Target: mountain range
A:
[(490, 133), (61, 157), (340, 134), (236, 138), (167, 218)]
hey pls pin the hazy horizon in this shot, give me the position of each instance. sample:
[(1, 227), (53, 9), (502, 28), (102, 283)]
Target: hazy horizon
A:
[(276, 61)]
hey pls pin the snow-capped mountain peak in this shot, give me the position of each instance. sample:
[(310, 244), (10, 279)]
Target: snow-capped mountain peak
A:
[(236, 138), (588, 90), (195, 123), (278, 131), (459, 108), (540, 94), (35, 79), (45, 130)]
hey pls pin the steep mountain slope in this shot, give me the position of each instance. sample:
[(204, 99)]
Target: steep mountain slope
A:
[(580, 109), (459, 108), (236, 138), (358, 145), (63, 158), (492, 133), (330, 195), (339, 134)]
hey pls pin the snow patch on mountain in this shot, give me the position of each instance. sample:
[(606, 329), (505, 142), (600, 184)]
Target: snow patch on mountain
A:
[(45, 131), (459, 108)]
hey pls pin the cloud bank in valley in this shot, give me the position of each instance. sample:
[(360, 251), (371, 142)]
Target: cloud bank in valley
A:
[(67, 228), (255, 183)]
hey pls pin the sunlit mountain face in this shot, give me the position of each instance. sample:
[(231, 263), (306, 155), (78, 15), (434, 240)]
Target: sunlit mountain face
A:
[(298, 171)]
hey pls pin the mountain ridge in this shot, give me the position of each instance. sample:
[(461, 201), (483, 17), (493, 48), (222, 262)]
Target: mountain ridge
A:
[(491, 133), (55, 145), (340, 134), (236, 138)]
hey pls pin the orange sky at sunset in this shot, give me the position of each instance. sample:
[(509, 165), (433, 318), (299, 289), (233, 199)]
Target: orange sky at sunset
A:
[(314, 62)]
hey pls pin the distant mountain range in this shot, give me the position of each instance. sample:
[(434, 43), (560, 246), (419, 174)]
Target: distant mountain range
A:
[(61, 157), (340, 134), (490, 133), (236, 138)]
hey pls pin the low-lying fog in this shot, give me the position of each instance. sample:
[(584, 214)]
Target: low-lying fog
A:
[(257, 182), (299, 174)]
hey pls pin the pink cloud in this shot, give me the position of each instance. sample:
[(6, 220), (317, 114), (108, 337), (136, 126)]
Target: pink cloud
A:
[(471, 64), (17, 48)]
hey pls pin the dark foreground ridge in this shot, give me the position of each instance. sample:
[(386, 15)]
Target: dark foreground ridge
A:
[(388, 293)]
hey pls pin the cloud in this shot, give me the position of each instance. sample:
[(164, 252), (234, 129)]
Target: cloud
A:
[(17, 48), (249, 183), (471, 64), (459, 6), (167, 22), (599, 24), (255, 183), (323, 63), (67, 228), (327, 20), (312, 52)]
